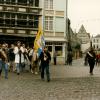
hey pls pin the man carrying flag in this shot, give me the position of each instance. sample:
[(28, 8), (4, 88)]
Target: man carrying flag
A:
[(44, 55), (39, 44)]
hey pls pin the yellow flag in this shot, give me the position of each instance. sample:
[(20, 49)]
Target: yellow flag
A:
[(37, 41)]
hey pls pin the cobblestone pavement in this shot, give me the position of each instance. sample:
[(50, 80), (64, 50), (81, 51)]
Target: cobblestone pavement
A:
[(67, 83)]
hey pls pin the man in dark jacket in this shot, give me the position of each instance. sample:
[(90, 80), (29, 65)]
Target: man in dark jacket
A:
[(91, 56), (45, 58)]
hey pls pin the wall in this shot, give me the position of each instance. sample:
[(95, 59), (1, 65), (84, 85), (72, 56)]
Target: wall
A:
[(84, 47)]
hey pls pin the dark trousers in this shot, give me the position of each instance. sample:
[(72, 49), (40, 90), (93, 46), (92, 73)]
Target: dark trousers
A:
[(45, 68), (91, 64), (0, 71), (0, 66), (54, 60)]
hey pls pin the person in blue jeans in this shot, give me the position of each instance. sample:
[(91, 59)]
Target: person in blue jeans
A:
[(0, 66), (45, 58), (3, 61), (5, 67)]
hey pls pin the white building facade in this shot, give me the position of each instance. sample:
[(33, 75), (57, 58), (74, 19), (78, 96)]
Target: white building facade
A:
[(96, 42), (54, 26)]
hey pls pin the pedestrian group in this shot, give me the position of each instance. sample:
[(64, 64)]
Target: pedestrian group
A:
[(17, 58)]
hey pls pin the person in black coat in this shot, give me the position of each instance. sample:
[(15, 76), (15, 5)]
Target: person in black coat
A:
[(91, 56), (45, 58)]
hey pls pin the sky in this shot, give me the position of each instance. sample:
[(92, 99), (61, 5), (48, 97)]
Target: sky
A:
[(86, 12)]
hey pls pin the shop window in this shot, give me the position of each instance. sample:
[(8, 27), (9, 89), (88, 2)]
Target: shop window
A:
[(58, 50)]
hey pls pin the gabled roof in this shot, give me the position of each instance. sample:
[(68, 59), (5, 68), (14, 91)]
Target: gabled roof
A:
[(82, 30), (97, 36)]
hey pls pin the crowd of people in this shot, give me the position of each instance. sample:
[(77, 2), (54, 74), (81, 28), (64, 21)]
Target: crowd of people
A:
[(17, 57)]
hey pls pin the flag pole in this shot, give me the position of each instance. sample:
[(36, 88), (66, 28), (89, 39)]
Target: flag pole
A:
[(43, 17)]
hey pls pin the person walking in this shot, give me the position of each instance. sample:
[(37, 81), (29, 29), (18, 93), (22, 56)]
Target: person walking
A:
[(45, 58), (4, 61), (55, 58), (35, 62), (1, 56), (91, 56), (69, 58), (19, 57)]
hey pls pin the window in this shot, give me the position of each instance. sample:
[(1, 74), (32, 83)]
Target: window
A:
[(8, 1), (48, 4), (35, 21), (21, 23), (8, 15), (94, 46), (12, 23), (12, 15), (1, 1), (59, 49), (97, 46), (36, 3), (1, 22), (7, 23), (30, 16), (22, 2), (22, 16), (31, 2), (94, 40), (97, 40), (1, 14), (48, 23)]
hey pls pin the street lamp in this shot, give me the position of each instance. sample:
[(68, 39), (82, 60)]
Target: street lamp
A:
[(69, 37)]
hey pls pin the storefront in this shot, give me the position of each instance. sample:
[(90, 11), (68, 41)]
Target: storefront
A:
[(59, 48)]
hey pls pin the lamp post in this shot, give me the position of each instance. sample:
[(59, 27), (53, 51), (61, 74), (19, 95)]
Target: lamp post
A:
[(69, 38)]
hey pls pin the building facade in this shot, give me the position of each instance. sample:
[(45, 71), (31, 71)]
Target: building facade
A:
[(19, 20), (96, 42), (85, 39), (54, 17)]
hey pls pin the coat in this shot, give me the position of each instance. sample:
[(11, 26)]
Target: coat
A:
[(17, 55)]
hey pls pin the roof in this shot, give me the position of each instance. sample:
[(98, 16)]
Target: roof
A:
[(82, 30), (97, 36)]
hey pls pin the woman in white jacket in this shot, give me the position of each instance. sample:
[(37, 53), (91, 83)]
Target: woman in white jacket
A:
[(19, 57)]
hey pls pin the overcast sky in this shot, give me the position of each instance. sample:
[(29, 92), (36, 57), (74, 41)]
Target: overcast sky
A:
[(86, 12)]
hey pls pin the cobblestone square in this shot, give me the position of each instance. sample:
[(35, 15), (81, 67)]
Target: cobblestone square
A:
[(67, 83)]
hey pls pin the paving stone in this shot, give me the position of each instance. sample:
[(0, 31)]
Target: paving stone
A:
[(67, 83)]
